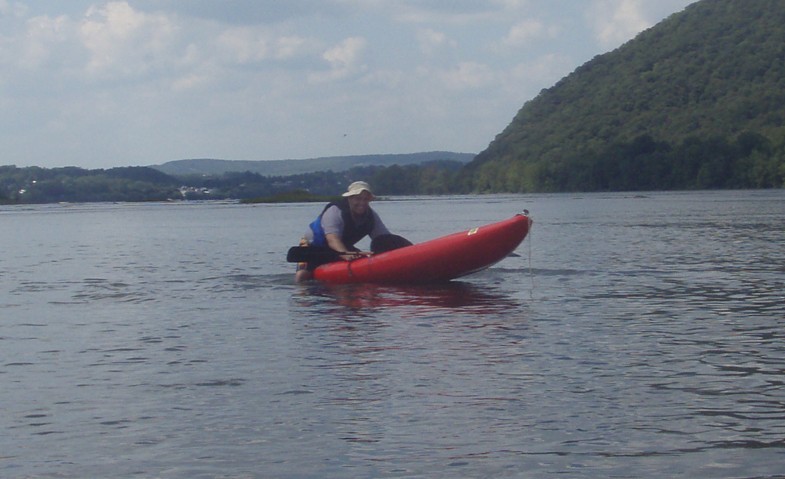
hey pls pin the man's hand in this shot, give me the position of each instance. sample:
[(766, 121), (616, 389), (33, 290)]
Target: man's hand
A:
[(353, 255)]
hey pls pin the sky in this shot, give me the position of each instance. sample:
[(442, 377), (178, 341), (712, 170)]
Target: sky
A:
[(102, 84)]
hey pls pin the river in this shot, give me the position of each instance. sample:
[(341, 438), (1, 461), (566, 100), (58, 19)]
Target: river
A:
[(631, 335)]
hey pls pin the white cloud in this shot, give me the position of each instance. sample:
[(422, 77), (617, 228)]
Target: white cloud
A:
[(539, 73), (432, 41), (468, 75), (13, 9), (44, 35), (616, 21), (245, 45), (123, 41), (453, 12), (524, 32), (290, 46), (345, 55), (344, 60)]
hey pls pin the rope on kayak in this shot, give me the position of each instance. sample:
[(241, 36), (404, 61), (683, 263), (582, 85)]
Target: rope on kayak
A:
[(531, 270), (349, 269)]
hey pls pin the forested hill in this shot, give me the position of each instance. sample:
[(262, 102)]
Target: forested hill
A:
[(697, 101), (299, 167)]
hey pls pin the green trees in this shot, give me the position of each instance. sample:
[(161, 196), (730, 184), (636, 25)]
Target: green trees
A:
[(430, 178), (698, 101), (40, 185), (750, 161)]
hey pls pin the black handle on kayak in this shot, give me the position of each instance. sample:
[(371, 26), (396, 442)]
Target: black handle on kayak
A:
[(312, 254), (319, 254), (323, 254)]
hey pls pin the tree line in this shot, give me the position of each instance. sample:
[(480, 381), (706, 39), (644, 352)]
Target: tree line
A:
[(750, 160), (76, 185), (71, 184)]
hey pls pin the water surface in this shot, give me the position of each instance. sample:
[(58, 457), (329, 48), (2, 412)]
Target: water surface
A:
[(631, 336)]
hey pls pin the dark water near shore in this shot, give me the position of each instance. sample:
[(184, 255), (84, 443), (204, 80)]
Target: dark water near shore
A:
[(631, 336)]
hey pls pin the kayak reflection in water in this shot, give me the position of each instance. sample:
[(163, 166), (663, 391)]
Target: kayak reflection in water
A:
[(341, 225)]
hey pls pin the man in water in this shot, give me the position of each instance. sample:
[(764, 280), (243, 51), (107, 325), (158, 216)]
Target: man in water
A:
[(342, 224)]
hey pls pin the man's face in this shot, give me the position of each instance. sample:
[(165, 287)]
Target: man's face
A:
[(359, 203)]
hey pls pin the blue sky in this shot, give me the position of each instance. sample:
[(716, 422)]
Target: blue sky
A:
[(99, 84)]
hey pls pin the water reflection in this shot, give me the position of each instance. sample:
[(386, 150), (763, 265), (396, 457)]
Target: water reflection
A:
[(389, 367), (408, 300)]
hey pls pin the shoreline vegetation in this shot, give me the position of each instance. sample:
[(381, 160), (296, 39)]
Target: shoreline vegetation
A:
[(296, 196), (749, 162)]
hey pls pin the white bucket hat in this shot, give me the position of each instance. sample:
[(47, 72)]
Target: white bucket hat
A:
[(358, 187)]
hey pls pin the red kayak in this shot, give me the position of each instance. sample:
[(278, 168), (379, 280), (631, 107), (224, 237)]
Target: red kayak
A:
[(440, 259)]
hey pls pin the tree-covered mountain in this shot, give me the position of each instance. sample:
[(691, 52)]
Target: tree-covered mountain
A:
[(697, 101)]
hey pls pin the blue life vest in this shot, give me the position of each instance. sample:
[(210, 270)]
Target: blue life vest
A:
[(351, 233), (319, 238)]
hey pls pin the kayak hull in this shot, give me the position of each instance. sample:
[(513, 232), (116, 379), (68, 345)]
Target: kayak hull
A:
[(437, 260)]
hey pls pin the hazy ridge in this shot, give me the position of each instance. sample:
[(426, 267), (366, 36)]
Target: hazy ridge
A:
[(297, 167)]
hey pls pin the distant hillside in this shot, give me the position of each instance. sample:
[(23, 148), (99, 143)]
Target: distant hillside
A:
[(296, 167), (697, 101)]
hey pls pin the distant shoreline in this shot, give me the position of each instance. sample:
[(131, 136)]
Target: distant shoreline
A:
[(290, 197)]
